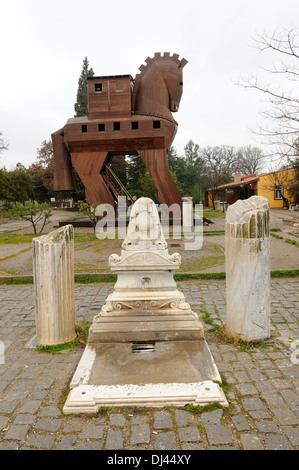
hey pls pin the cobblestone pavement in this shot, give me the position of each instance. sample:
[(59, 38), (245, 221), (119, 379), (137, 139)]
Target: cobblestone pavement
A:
[(263, 383)]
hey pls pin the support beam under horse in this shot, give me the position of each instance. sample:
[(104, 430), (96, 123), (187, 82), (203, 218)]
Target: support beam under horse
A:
[(125, 117)]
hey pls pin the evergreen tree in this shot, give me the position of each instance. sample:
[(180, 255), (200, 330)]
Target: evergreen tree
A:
[(188, 169), (16, 185), (147, 186), (81, 105), (135, 169), (118, 164), (5, 189)]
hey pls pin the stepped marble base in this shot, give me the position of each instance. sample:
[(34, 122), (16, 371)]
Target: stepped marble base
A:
[(146, 327), (167, 373)]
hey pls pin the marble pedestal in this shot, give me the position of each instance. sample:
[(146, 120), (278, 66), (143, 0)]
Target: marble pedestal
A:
[(146, 346)]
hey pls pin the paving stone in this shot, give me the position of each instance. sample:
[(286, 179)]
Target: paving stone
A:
[(277, 442), (73, 425), (40, 441), (139, 419), (251, 442), (8, 446), (45, 383), (67, 442), (256, 375), (189, 434), (273, 399), (24, 419), (212, 417), (165, 441), (114, 440), (241, 423), (247, 389), (10, 374), (296, 410), (253, 404), (38, 394), (16, 432), (3, 385), (285, 416), (273, 373), (223, 448), (117, 419), (89, 445), (48, 424), (16, 395), (50, 411), (281, 384), (192, 446), (183, 417), (162, 420), (8, 406), (31, 406), (242, 376), (265, 387), (24, 385), (260, 414), (94, 432), (266, 426), (218, 434), (293, 435), (140, 434), (290, 397), (3, 422)]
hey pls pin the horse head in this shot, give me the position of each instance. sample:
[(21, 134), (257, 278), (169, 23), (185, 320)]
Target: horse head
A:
[(173, 77), (159, 85)]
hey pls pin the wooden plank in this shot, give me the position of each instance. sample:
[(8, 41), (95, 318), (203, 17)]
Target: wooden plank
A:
[(63, 179), (157, 165)]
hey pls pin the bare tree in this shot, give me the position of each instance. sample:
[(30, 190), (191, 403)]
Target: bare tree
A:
[(282, 117), (220, 163), (223, 158), (278, 180), (3, 143), (250, 160)]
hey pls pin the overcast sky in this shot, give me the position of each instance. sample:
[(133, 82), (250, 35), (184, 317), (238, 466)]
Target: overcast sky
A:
[(44, 42)]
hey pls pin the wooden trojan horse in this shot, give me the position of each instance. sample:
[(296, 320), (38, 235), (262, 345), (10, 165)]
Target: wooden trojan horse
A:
[(125, 117)]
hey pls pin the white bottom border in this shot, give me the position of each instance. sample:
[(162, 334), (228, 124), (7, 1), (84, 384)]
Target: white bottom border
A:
[(89, 398)]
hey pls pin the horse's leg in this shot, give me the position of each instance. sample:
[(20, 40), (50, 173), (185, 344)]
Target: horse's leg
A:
[(63, 179), (88, 165), (157, 164)]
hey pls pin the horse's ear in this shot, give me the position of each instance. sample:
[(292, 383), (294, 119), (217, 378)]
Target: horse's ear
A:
[(183, 63)]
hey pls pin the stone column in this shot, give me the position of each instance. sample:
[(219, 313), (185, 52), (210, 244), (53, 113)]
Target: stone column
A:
[(187, 213), (53, 270), (247, 252)]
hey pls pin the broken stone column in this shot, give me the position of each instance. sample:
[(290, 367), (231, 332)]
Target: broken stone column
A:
[(187, 213), (247, 251), (53, 271)]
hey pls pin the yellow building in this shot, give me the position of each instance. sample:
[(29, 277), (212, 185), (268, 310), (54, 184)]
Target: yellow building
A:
[(273, 186)]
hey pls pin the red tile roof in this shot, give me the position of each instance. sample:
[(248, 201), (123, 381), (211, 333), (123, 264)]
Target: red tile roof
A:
[(244, 181)]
